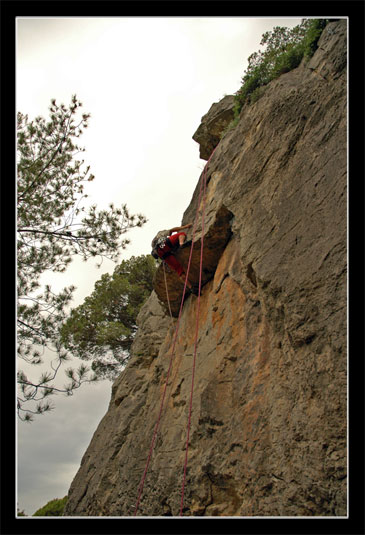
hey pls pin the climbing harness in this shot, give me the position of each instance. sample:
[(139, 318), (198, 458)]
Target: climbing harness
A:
[(141, 485)]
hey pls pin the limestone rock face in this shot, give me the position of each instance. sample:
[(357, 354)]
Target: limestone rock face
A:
[(213, 123), (268, 424)]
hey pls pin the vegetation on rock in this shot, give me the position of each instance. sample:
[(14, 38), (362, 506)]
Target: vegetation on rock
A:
[(284, 50), (52, 508), (103, 327)]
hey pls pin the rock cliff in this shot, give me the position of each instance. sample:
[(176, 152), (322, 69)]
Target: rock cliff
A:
[(268, 430)]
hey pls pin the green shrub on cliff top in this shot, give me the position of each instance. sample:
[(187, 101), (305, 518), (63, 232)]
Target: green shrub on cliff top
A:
[(284, 50)]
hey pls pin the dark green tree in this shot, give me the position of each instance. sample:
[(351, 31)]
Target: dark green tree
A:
[(102, 329), (52, 227), (52, 508)]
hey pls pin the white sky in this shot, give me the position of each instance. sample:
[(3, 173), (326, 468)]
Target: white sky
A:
[(147, 82)]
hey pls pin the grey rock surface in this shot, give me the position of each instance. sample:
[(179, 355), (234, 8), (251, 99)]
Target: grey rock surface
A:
[(213, 124), (268, 424)]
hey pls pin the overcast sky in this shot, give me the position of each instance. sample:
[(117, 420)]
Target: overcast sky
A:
[(146, 82)]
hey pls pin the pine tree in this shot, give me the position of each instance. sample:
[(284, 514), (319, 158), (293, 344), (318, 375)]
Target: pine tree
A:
[(54, 507), (52, 227), (103, 327)]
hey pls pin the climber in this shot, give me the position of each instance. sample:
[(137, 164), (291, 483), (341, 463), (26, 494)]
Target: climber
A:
[(165, 243)]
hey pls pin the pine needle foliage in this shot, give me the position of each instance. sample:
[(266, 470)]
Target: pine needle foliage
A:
[(103, 327), (53, 226)]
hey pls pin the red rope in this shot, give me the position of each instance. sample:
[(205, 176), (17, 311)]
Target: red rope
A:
[(141, 485), (166, 288), (196, 339)]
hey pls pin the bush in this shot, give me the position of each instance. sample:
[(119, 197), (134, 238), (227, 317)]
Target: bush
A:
[(53, 508), (288, 60), (285, 49), (315, 28), (256, 95)]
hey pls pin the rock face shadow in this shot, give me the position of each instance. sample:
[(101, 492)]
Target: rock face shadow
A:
[(215, 240)]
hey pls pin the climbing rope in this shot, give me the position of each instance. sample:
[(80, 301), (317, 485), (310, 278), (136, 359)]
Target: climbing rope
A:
[(196, 337), (141, 485), (166, 288)]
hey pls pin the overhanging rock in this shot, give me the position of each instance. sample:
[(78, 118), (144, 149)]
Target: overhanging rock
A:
[(215, 240), (212, 125)]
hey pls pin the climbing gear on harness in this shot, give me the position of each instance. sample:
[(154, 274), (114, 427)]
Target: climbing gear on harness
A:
[(165, 255)]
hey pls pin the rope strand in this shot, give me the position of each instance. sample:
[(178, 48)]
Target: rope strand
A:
[(141, 485), (166, 288), (196, 338)]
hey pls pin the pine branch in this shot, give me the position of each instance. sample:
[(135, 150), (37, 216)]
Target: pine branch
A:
[(30, 327), (64, 235), (34, 181)]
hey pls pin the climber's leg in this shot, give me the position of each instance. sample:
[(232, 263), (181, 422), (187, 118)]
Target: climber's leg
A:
[(174, 264)]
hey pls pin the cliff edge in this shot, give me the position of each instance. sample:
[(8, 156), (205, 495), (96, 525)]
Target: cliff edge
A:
[(268, 431)]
